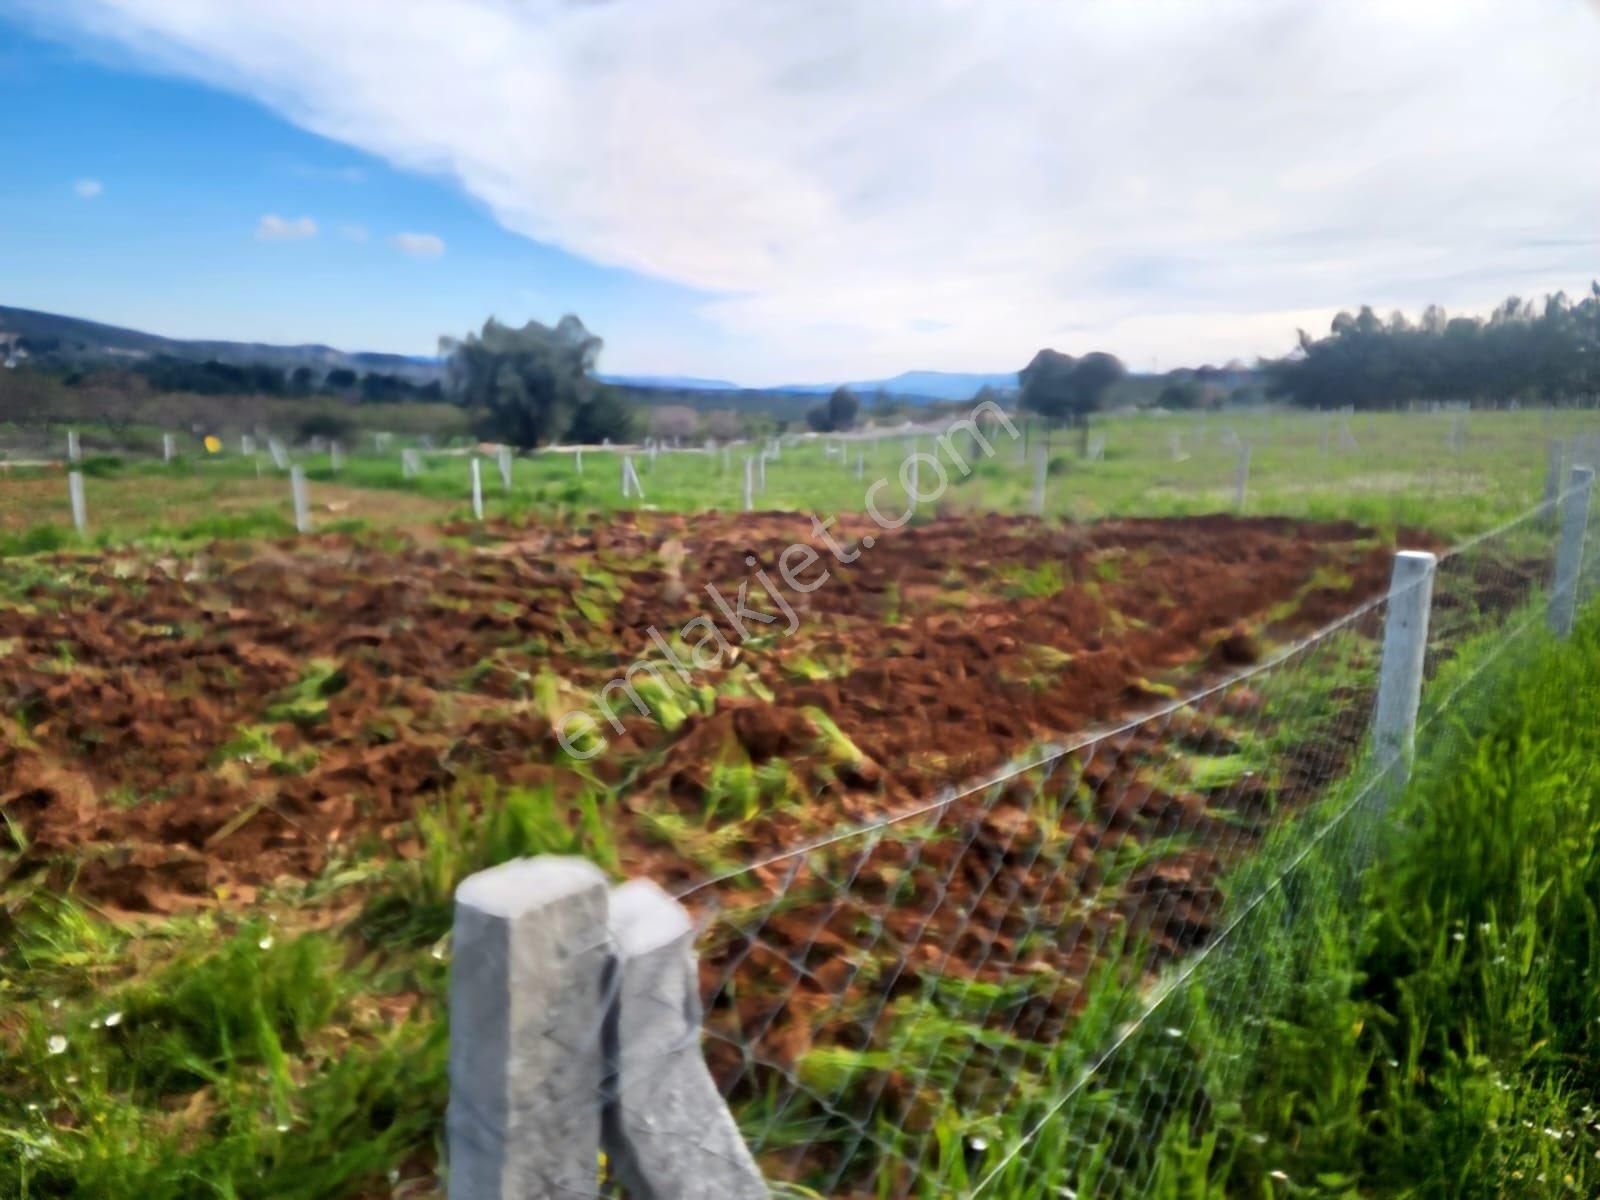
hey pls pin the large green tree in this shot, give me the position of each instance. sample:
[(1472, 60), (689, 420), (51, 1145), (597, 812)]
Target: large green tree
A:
[(1061, 388), (530, 382)]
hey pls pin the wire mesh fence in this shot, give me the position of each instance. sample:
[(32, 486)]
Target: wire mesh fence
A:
[(1005, 991)]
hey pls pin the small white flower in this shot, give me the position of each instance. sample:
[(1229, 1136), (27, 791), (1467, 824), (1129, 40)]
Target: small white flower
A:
[(57, 1044), (1280, 1176), (1173, 1032), (113, 1020), (979, 1144), (283, 1127), (1458, 936), (266, 942)]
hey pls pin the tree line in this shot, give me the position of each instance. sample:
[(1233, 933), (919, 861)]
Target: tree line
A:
[(1538, 351)]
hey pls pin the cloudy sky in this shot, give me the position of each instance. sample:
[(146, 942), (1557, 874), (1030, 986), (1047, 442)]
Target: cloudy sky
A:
[(764, 190)]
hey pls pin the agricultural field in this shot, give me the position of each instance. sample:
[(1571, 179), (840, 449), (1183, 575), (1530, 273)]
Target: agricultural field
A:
[(242, 770)]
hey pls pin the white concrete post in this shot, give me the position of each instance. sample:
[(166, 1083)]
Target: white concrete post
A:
[(761, 473), (297, 492), (1569, 554), (477, 488), (577, 460), (169, 447), (74, 448), (502, 460), (280, 456), (749, 484), (335, 456), (1039, 468), (80, 506), (1241, 477), (666, 1132), (861, 465), (410, 463), (1405, 641), (527, 1005), (247, 444)]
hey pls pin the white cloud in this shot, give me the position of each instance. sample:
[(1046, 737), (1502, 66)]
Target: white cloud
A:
[(870, 185), (353, 233), (88, 189), (273, 228), (418, 245)]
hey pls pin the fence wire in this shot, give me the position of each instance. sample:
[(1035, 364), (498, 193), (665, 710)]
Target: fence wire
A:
[(999, 993), (890, 1010)]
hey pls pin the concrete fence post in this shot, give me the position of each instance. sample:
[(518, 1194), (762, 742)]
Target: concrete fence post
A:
[(1405, 642), (761, 473), (280, 456), (577, 460), (1569, 552), (502, 459), (247, 445), (335, 456), (80, 507), (297, 493), (169, 447), (410, 463), (666, 1131), (528, 984), (477, 488), (749, 497), (74, 446)]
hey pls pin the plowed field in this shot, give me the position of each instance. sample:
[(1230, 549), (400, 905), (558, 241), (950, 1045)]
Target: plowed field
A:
[(179, 726)]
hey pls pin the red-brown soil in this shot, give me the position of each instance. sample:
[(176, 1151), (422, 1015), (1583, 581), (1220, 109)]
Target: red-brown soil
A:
[(124, 686)]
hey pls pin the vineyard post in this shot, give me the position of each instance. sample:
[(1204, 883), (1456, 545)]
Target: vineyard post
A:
[(297, 492), (1039, 468), (502, 460), (74, 447), (169, 447), (1569, 554), (247, 445), (577, 460), (80, 506), (749, 484), (1241, 478), (335, 457), (527, 1002), (1405, 639), (477, 488)]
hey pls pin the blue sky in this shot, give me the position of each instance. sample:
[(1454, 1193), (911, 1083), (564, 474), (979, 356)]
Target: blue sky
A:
[(779, 192), (169, 243)]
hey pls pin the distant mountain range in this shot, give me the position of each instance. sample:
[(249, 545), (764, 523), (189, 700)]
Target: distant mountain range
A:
[(78, 340), (73, 338)]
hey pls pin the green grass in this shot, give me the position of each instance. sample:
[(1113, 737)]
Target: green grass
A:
[(1402, 475), (1428, 1027)]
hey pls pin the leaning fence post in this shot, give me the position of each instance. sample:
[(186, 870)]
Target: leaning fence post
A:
[(666, 1131), (1405, 642), (527, 1000), (1569, 554), (297, 492)]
